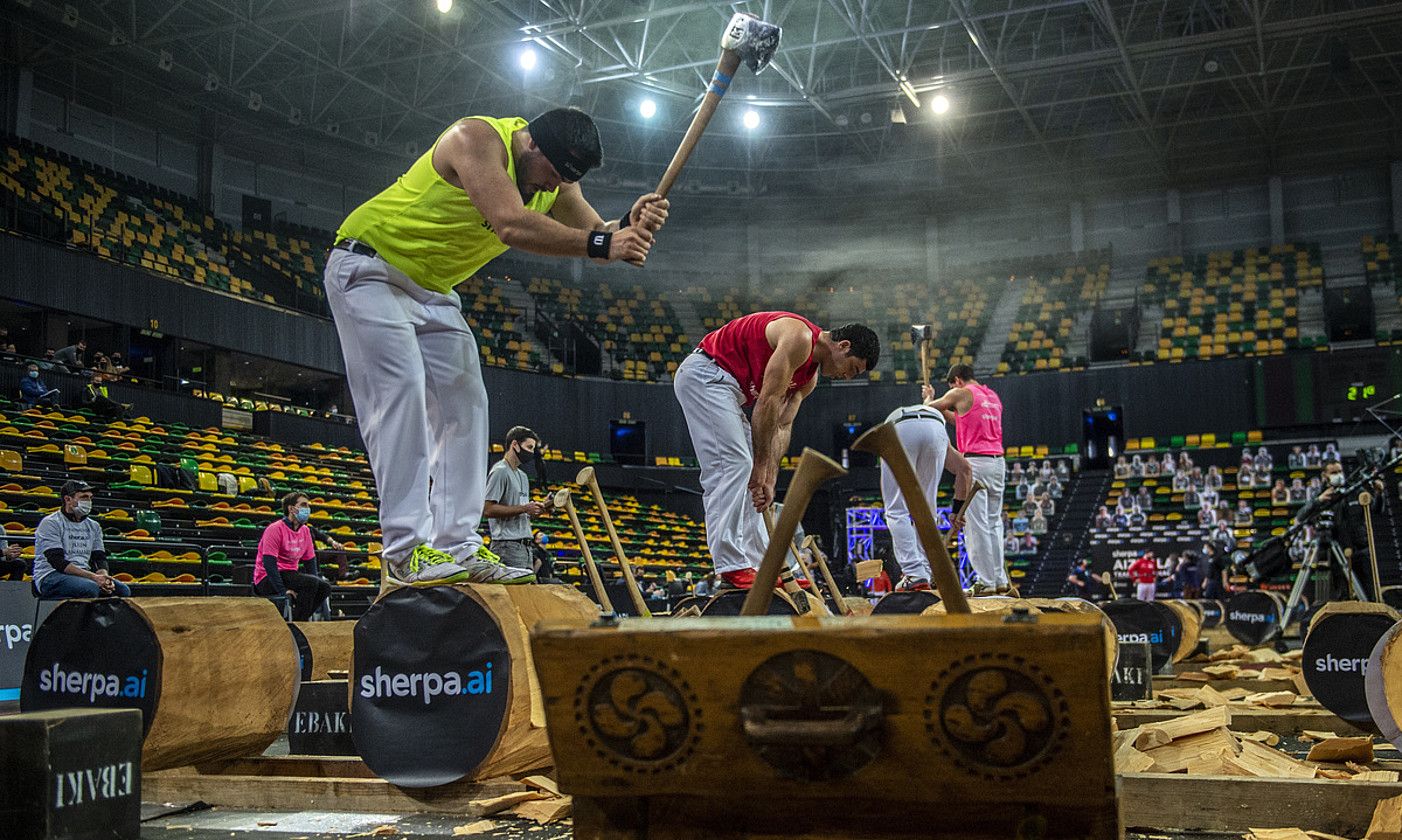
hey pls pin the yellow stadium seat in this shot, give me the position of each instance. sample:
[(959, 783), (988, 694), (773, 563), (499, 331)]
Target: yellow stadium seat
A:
[(141, 474)]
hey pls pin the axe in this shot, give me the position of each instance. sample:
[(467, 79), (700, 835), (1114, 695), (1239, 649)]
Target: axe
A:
[(746, 38), (921, 335)]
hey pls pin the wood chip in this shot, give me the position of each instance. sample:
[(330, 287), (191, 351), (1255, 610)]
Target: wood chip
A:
[(497, 804), (1233, 652), (1278, 674), (1277, 834), (1272, 699), (1222, 672), (1183, 704), (1235, 693), (1191, 724), (1270, 739), (544, 783), (1387, 818), (1321, 835), (1174, 757), (1148, 737), (1342, 749), (1130, 760), (1194, 676), (1333, 773), (1263, 654), (545, 810), (1316, 735), (479, 827), (1260, 760), (1376, 776)]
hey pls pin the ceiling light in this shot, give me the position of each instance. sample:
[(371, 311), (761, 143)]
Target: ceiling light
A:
[(527, 59), (751, 119), (940, 104), (445, 6), (648, 109)]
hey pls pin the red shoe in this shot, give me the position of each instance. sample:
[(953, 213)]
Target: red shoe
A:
[(912, 584), (745, 578)]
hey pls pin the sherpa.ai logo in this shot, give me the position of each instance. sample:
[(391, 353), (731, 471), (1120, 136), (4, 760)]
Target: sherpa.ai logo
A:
[(15, 634), (1251, 618), (427, 685), (1154, 638), (55, 680)]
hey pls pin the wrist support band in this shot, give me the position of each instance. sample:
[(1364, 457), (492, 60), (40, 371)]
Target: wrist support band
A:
[(598, 244)]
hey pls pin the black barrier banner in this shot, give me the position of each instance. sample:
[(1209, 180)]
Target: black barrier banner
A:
[(1253, 617), (1211, 613), (95, 654), (1133, 678), (1116, 558), (1148, 622), (1335, 663), (320, 723), (429, 685), (304, 651), (17, 606)]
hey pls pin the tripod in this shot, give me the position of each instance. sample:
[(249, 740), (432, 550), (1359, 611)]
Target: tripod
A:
[(1307, 567)]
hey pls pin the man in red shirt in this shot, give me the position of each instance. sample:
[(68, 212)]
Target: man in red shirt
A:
[(1145, 574), (771, 361), (284, 546)]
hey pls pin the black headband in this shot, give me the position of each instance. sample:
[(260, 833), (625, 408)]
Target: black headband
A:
[(572, 167)]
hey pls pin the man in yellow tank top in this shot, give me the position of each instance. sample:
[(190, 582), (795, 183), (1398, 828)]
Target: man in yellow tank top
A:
[(486, 185)]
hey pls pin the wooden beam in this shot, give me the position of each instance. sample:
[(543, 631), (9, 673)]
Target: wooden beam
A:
[(1279, 721), (317, 793), (1236, 803), (1162, 681)]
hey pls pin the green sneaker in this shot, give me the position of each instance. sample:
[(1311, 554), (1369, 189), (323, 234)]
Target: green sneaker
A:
[(427, 566), (485, 555), (482, 571)]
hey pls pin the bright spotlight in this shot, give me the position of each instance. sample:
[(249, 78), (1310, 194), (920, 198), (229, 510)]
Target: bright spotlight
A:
[(940, 104), (445, 6), (527, 59), (751, 119), (647, 108)]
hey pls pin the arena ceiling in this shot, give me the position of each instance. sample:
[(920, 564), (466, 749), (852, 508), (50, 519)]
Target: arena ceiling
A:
[(1086, 90)]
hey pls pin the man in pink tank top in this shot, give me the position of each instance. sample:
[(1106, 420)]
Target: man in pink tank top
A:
[(977, 415), (771, 361)]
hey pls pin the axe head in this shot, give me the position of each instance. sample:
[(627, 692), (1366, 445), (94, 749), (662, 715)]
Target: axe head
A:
[(921, 332), (753, 39)]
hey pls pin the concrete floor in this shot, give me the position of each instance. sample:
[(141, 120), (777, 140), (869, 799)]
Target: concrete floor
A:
[(225, 823)]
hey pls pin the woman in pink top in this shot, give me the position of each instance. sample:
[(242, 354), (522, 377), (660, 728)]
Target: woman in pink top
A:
[(284, 546)]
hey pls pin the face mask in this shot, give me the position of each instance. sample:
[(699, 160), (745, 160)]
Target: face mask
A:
[(82, 507), (1336, 479), (34, 374), (302, 514)]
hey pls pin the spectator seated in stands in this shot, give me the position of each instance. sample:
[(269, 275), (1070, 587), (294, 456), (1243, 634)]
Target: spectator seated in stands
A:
[(1016, 473), (12, 565), (1207, 516), (1063, 472), (1297, 492), (1047, 505), (1020, 488), (1168, 466), (1280, 494), (71, 356), (285, 545), (48, 362), (32, 390), (1213, 479), (1055, 488), (1264, 461), (1182, 481), (1209, 498), (705, 587), (1296, 459), (1191, 499), (1020, 523), (1046, 473), (70, 559), (1313, 458), (1028, 545), (1185, 461), (1144, 499), (1011, 544), (1331, 453), (95, 397), (1104, 519), (1122, 468), (1313, 489), (1136, 466), (1038, 524), (1243, 516), (1246, 477), (1137, 518), (1151, 467)]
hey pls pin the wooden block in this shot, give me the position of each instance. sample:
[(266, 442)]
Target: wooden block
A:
[(1287, 722), (864, 715), (1278, 834), (1222, 672), (1343, 749), (1260, 760), (71, 773), (1130, 760), (1235, 804), (1376, 776), (320, 722), (1272, 699), (545, 811), (1387, 818), (1270, 739)]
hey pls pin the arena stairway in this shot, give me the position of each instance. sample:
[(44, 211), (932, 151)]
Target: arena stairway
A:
[(1065, 540)]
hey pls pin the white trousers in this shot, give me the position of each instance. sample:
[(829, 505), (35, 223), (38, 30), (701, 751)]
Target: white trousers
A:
[(925, 441), (983, 526), (720, 433), (416, 378), (1146, 591)]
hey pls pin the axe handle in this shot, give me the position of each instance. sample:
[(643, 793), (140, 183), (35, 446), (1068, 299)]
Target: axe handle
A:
[(833, 591), (725, 70), (1372, 545), (925, 362)]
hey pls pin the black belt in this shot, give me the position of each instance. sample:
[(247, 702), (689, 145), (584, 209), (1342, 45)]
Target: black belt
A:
[(517, 540), (980, 455), (918, 415), (355, 246), (704, 353)]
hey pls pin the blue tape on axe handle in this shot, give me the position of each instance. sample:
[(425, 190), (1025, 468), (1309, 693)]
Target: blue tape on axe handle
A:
[(722, 78)]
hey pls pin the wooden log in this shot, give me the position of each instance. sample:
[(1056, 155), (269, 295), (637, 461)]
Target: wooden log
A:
[(213, 677), (1082, 606), (1288, 722), (1238, 803), (1382, 685), (729, 603), (330, 642), (1335, 655), (1003, 720), (1191, 619), (1254, 617), (442, 686)]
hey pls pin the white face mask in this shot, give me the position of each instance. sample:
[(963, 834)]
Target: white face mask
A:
[(82, 507), (1336, 479)]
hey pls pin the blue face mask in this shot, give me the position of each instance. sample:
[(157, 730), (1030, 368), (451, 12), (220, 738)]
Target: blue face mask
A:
[(302, 515), (34, 374)]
